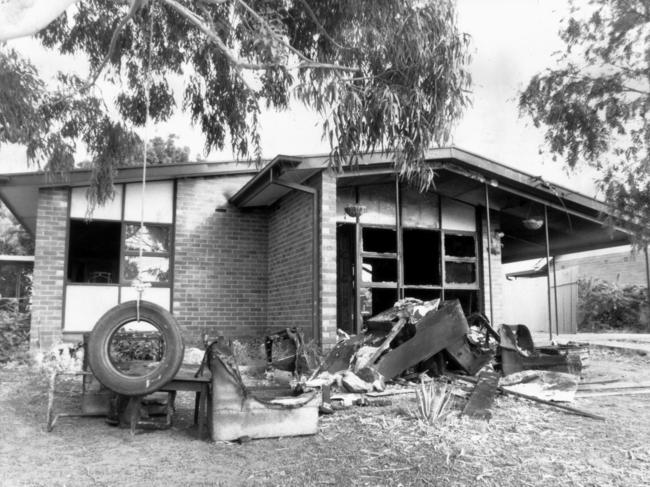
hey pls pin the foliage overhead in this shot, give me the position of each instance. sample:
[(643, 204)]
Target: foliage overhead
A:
[(383, 74), (595, 105)]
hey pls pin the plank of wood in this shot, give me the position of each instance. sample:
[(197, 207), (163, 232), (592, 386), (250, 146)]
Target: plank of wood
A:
[(613, 386), (482, 399), (579, 412), (622, 392)]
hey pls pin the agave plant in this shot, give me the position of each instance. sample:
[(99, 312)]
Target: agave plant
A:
[(434, 401)]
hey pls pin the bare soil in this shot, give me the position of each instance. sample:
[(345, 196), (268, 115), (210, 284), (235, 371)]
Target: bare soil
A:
[(523, 444)]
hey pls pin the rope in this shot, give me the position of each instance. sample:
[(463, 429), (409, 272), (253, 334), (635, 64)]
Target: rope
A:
[(140, 284)]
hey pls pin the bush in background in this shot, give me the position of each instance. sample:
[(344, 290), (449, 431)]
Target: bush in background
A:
[(14, 330), (608, 306)]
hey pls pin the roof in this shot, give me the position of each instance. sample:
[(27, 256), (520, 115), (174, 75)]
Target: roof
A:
[(19, 191), (575, 220)]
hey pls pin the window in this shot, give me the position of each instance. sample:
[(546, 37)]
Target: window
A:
[(460, 261), (106, 249), (154, 264), (94, 252), (421, 257)]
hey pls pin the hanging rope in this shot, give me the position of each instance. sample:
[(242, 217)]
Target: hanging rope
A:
[(139, 283)]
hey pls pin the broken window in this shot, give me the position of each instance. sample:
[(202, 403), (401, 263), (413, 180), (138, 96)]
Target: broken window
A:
[(460, 245), (379, 270), (379, 240), (468, 299), (422, 294), (460, 259), (376, 300), (421, 257), (94, 251), (460, 272)]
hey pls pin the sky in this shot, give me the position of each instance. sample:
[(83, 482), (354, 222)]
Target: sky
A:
[(511, 41)]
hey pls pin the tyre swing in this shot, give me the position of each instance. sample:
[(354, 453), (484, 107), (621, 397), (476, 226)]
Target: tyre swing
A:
[(136, 314)]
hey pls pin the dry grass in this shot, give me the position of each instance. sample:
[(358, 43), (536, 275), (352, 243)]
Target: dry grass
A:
[(524, 444)]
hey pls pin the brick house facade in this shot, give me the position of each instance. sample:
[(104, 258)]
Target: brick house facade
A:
[(241, 252)]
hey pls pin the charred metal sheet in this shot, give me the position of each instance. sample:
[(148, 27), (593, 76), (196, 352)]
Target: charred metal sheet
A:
[(433, 333), (512, 362), (517, 338), (468, 357), (342, 354), (482, 398)]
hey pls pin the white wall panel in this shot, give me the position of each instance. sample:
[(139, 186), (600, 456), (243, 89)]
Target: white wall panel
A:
[(157, 295), (159, 202), (458, 216), (111, 210), (84, 305)]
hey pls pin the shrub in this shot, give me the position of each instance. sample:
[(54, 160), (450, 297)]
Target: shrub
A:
[(14, 331), (605, 305)]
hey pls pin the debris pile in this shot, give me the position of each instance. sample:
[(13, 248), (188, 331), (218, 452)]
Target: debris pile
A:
[(414, 338)]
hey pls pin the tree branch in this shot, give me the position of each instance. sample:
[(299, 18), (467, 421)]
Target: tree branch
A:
[(320, 26), (239, 63)]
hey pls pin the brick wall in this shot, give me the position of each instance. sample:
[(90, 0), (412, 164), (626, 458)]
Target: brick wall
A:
[(220, 265), (290, 276), (328, 258), (496, 273), (49, 267)]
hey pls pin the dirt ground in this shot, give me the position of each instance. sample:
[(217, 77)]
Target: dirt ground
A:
[(523, 444)]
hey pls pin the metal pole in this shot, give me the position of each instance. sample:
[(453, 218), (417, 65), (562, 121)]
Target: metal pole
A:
[(548, 274), (557, 319), (647, 279), (398, 235), (489, 248)]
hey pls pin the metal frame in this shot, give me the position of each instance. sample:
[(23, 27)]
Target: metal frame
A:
[(400, 286)]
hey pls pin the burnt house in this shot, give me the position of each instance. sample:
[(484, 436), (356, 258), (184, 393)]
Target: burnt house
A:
[(232, 250)]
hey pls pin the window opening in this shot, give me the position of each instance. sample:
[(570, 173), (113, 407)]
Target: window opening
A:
[(460, 245), (468, 299), (379, 240), (421, 257), (94, 251), (376, 300), (460, 272), (378, 270)]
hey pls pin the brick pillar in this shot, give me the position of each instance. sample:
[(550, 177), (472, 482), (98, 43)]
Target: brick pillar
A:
[(49, 267), (496, 273), (327, 214)]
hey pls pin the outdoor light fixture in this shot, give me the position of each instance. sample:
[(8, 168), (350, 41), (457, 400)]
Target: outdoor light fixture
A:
[(533, 223), (355, 211)]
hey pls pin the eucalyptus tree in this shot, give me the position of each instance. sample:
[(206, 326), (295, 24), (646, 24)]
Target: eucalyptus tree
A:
[(382, 74)]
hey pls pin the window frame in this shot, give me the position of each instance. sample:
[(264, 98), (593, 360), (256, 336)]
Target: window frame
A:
[(122, 281)]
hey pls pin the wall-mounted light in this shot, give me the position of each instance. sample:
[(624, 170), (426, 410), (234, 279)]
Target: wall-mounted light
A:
[(355, 211)]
